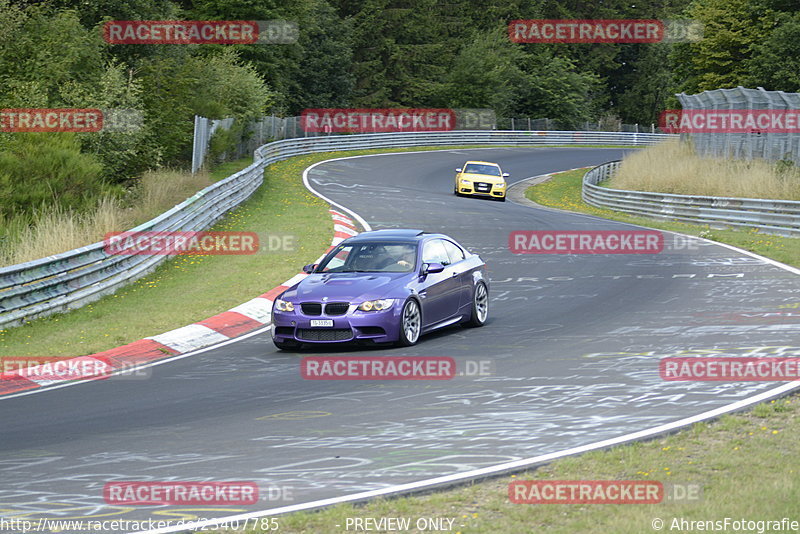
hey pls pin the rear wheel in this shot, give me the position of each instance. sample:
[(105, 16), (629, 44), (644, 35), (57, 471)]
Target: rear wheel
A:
[(480, 306), (410, 323)]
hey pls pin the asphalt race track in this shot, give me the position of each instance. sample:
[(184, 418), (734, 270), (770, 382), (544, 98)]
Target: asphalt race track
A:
[(573, 344)]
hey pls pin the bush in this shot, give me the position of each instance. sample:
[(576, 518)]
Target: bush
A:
[(49, 169), (224, 143)]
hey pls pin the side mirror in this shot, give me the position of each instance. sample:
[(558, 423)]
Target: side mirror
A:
[(308, 269), (506, 175), (458, 170), (432, 268)]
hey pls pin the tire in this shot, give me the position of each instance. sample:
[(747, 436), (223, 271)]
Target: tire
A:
[(480, 306), (455, 191), (410, 323), (286, 345), (503, 199)]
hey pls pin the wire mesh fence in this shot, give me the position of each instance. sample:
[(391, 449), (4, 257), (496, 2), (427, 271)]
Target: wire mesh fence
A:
[(769, 135), (271, 128)]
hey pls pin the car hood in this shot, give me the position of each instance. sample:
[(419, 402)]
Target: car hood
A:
[(483, 178), (349, 287)]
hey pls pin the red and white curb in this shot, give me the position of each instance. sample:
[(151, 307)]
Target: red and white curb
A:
[(244, 318)]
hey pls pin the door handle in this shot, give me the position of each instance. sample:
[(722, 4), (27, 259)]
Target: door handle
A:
[(455, 274)]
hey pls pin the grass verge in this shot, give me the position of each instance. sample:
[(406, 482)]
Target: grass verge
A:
[(739, 464), (187, 289), (52, 230), (689, 174), (563, 191)]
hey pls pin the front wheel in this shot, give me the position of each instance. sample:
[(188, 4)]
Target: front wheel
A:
[(480, 306), (410, 323)]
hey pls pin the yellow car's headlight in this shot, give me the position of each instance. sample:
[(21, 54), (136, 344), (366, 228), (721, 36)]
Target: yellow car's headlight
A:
[(464, 181), (376, 305), (284, 306)]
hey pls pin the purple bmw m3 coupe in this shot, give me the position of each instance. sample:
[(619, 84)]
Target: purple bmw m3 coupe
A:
[(385, 286)]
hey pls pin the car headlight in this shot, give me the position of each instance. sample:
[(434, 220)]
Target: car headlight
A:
[(464, 181), (283, 305), (376, 305)]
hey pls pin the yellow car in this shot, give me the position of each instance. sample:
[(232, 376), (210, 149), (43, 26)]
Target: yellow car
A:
[(481, 178)]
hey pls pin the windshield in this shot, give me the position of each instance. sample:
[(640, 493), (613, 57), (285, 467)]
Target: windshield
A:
[(370, 257), (477, 168)]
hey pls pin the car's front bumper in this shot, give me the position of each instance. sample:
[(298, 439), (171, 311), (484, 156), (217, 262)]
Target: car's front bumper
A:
[(474, 189), (376, 326)]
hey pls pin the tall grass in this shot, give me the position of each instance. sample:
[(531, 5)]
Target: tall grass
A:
[(674, 167), (53, 229)]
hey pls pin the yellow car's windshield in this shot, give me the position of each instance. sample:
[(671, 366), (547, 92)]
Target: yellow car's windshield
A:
[(477, 168)]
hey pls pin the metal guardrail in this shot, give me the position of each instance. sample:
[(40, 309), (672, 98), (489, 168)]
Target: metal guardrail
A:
[(72, 279), (780, 217)]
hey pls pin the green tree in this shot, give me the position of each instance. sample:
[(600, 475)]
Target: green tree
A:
[(216, 84), (42, 52), (555, 88), (776, 61), (732, 31), (644, 91), (487, 73)]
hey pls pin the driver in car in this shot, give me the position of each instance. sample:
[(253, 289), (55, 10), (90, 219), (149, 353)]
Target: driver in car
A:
[(406, 258), (401, 261)]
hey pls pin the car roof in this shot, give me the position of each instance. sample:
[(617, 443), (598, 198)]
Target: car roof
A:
[(395, 234), (482, 163)]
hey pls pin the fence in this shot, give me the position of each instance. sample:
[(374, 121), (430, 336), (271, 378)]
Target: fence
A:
[(203, 130), (764, 143), (772, 216), (71, 279), (607, 125), (271, 128)]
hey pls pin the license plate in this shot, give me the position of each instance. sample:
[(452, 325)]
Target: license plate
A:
[(321, 322)]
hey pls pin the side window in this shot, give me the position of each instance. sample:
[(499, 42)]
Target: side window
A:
[(434, 252), (455, 253), (338, 260)]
